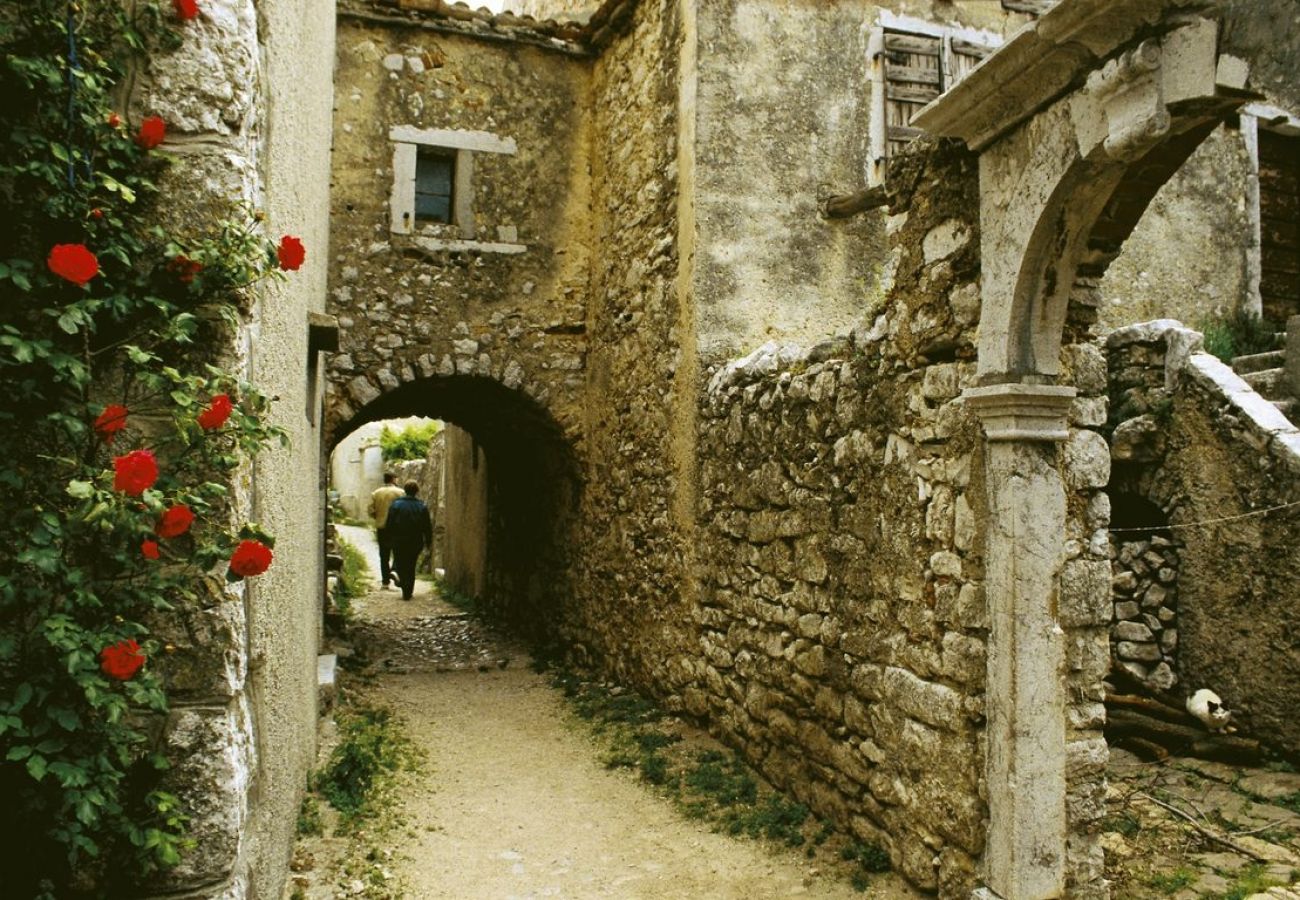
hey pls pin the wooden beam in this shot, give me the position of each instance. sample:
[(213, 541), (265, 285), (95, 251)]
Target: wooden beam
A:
[(845, 205)]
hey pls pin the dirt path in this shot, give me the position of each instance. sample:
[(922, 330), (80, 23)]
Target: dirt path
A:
[(515, 803)]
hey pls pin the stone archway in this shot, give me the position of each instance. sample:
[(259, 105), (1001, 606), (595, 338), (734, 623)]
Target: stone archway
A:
[(532, 485), (1078, 121)]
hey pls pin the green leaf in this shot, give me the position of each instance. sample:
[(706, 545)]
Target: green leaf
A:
[(36, 766), (18, 753), (71, 321), (80, 489)]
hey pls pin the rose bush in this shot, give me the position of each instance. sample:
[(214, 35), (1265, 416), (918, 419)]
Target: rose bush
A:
[(119, 433)]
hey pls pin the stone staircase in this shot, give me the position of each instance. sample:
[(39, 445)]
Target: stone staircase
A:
[(1267, 372)]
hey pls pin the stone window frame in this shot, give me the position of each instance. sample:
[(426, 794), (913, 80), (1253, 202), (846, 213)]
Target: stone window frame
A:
[(407, 141), (887, 21)]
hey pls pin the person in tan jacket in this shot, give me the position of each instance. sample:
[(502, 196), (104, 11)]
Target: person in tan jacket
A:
[(380, 500)]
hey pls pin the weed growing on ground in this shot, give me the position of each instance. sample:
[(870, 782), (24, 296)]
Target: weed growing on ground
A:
[(711, 785), (1239, 334), (1171, 882), (364, 765), (1124, 823), (353, 580), (309, 819), (463, 602), (1250, 880)]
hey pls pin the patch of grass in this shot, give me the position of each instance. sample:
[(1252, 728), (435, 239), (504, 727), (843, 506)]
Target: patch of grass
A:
[(1289, 801), (1124, 824), (371, 751), (354, 579), (1250, 880), (309, 819), (870, 859), (463, 602), (773, 817), (1171, 882), (1239, 334)]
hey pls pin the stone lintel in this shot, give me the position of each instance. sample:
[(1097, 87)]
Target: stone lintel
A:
[(457, 139), (1041, 62), (1022, 412)]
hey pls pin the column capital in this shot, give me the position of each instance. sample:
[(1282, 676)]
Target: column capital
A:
[(1022, 412)]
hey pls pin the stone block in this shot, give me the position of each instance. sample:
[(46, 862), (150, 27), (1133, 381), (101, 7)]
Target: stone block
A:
[(1162, 677), (1086, 460), (1085, 593), (945, 563), (964, 659), (1126, 610), (934, 704), (1138, 652), (1131, 631), (211, 750)]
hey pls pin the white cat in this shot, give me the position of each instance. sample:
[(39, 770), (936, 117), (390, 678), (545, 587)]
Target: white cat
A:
[(1208, 707)]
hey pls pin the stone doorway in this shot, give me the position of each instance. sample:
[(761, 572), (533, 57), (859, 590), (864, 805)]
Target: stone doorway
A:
[(509, 493)]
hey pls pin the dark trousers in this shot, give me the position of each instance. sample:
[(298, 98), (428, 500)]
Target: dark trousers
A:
[(405, 556), (385, 555)]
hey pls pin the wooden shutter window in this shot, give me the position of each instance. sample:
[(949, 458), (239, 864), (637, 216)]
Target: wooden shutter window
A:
[(913, 77)]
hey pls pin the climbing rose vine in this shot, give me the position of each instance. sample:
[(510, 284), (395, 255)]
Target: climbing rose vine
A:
[(120, 437)]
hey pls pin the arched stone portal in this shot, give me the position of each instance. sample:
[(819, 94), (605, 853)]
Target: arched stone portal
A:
[(532, 485), (1079, 120)]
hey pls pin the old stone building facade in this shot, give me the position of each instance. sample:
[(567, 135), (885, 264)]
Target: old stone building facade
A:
[(835, 487), (812, 545)]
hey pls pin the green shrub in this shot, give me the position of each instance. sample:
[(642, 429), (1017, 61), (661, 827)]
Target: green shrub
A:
[(371, 751), (412, 442), (309, 820), (354, 580), (1239, 334)]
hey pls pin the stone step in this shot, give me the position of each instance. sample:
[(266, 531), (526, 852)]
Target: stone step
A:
[(1258, 362), (1270, 383), (1288, 408)]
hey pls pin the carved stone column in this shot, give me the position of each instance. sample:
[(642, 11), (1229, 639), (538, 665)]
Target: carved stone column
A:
[(1025, 693)]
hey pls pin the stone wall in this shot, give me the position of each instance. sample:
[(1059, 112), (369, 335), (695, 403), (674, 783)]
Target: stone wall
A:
[(1187, 257), (466, 520), (508, 305), (785, 111), (1144, 638), (247, 103), (633, 609), (1194, 440), (842, 627)]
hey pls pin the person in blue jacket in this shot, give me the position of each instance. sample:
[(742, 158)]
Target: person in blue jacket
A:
[(410, 531)]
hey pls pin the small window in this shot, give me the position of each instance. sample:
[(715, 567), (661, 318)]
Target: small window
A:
[(435, 179)]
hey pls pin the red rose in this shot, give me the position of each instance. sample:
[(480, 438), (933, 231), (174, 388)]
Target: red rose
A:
[(135, 472), (110, 422), (97, 213), (250, 558), (175, 521), (114, 120), (152, 132), (186, 9), (121, 660), (149, 549), (73, 262), (184, 268), (291, 253), (217, 412)]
